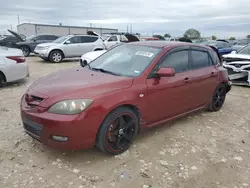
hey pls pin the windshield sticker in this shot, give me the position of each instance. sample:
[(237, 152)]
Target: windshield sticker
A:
[(145, 54), (137, 72)]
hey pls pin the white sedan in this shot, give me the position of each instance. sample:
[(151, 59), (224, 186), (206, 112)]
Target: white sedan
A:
[(90, 56), (13, 65)]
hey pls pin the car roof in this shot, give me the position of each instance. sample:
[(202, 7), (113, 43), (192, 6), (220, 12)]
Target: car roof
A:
[(83, 35), (164, 44)]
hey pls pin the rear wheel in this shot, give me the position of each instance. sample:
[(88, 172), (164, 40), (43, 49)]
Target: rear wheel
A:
[(218, 99), (26, 51), (118, 131), (56, 56)]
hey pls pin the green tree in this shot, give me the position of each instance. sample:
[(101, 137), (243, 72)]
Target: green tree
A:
[(167, 35), (248, 36), (192, 34), (214, 37), (232, 38)]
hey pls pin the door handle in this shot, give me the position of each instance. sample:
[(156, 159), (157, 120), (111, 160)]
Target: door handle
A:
[(186, 80)]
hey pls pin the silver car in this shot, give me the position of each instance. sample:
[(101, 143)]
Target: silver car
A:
[(69, 46)]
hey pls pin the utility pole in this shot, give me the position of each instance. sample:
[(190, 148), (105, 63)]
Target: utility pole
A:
[(18, 19), (11, 27), (90, 24), (127, 28)]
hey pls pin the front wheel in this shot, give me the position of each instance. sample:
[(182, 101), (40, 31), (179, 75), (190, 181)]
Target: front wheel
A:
[(26, 51), (218, 98), (118, 131), (56, 56), (2, 80)]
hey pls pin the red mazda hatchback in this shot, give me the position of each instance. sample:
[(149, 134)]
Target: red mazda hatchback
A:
[(129, 88)]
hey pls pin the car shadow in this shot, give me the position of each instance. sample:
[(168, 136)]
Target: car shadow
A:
[(95, 156), (15, 84), (71, 60)]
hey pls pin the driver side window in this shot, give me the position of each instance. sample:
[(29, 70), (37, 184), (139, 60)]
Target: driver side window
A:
[(178, 60)]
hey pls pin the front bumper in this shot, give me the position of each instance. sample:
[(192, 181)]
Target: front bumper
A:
[(238, 76), (81, 129), (44, 53)]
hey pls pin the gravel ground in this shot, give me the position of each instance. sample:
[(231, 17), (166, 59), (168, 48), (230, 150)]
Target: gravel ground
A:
[(202, 150)]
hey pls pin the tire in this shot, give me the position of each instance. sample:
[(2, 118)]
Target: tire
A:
[(2, 79), (218, 98), (56, 56), (26, 51), (118, 131)]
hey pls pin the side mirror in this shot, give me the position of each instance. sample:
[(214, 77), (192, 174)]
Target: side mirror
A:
[(83, 62), (166, 72), (34, 40), (67, 42), (234, 52)]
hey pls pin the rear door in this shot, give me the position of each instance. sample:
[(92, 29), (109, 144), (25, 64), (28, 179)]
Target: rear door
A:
[(204, 75), (87, 44), (170, 96)]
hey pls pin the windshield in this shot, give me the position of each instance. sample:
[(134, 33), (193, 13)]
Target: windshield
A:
[(126, 60), (61, 39), (245, 50), (30, 37)]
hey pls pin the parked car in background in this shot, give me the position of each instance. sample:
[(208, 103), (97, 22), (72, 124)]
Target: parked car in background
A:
[(69, 46), (240, 44), (124, 91), (222, 46), (118, 38), (148, 38), (31, 42), (11, 40), (90, 56), (13, 65), (238, 66)]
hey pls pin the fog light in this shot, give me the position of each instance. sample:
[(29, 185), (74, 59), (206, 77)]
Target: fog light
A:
[(60, 138)]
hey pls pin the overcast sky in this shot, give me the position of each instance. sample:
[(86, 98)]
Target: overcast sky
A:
[(220, 17)]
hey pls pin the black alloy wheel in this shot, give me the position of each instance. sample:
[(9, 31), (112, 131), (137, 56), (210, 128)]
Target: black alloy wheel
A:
[(118, 131), (218, 98)]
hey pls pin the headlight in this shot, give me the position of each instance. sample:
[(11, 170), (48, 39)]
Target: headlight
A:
[(70, 107)]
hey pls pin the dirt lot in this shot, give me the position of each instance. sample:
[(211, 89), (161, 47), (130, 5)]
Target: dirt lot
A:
[(204, 150)]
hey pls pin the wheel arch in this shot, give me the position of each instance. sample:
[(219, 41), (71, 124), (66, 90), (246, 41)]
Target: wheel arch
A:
[(4, 77), (56, 50)]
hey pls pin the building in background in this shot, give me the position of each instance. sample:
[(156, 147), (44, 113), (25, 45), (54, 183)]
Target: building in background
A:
[(29, 29)]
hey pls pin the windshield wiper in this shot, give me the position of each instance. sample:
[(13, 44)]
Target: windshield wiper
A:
[(105, 71)]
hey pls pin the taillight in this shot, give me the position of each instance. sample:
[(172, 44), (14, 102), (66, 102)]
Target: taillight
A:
[(18, 59)]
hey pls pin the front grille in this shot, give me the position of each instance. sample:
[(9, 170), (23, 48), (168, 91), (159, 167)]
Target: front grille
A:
[(32, 128), (237, 65), (32, 100), (231, 71)]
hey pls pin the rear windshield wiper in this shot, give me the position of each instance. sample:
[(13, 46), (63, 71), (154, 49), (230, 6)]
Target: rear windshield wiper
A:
[(105, 71)]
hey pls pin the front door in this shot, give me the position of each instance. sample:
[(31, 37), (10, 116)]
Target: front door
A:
[(72, 47), (170, 96), (111, 41)]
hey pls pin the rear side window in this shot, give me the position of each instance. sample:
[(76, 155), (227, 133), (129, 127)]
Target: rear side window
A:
[(51, 37), (88, 39), (214, 56), (177, 60), (201, 59)]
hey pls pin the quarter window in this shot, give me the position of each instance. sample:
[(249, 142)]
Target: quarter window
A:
[(177, 60), (200, 59)]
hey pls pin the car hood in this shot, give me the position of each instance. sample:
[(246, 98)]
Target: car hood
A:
[(78, 83), (16, 35), (238, 56)]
